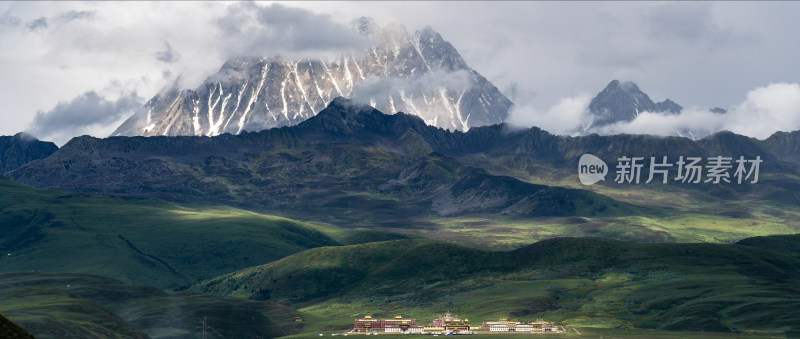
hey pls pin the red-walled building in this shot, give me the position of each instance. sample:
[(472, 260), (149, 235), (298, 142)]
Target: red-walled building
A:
[(369, 323)]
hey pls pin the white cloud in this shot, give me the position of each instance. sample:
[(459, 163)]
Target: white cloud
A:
[(775, 107), (569, 116), (691, 122)]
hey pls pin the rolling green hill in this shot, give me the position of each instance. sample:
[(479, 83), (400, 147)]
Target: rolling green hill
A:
[(63, 305), (425, 212), (142, 241), (584, 282)]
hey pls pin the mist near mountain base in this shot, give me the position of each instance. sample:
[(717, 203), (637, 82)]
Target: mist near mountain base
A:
[(383, 87), (570, 116), (766, 110)]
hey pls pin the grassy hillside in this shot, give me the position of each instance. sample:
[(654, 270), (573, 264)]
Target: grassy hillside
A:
[(677, 212), (143, 241), (59, 305), (10, 330), (581, 282), (499, 201)]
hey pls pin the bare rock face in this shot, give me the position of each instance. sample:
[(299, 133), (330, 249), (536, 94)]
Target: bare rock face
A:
[(419, 74)]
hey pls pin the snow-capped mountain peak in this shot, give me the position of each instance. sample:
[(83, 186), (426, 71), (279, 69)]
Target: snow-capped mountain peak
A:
[(420, 74)]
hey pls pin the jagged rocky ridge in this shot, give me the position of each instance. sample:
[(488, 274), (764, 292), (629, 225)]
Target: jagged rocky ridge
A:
[(314, 168), (311, 169), (420, 74)]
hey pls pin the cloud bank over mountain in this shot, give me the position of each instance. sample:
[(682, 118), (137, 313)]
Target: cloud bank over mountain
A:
[(699, 54), (66, 50), (570, 116), (764, 111)]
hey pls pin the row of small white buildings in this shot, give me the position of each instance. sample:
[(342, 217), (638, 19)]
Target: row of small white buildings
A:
[(410, 330), (448, 323), (539, 326)]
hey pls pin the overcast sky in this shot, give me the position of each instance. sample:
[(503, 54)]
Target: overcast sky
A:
[(75, 68)]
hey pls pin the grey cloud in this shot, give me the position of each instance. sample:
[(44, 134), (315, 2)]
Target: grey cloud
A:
[(519, 95), (569, 116), (687, 21), (254, 30), (82, 113), (45, 22), (250, 29), (694, 23), (74, 15), (7, 20), (168, 55), (40, 23)]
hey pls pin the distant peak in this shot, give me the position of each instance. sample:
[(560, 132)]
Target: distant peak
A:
[(668, 106), (348, 106), (24, 136), (623, 101), (625, 86), (341, 102), (428, 33), (236, 65), (428, 30)]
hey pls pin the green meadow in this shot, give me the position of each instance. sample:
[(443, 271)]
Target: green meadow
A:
[(577, 282), (142, 241)]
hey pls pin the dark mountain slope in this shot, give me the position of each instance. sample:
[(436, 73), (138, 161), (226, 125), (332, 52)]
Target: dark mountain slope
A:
[(352, 166), (11, 330), (21, 149), (349, 160), (785, 146)]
